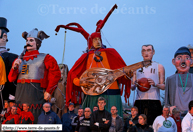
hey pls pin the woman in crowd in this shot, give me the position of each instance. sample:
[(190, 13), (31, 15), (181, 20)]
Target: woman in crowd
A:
[(141, 126)]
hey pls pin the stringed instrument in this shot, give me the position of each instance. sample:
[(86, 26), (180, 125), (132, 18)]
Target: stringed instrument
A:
[(96, 81)]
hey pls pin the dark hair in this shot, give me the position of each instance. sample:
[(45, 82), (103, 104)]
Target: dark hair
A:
[(101, 99), (114, 106), (38, 43), (134, 107), (14, 106), (144, 117), (95, 106), (190, 105), (3, 31), (80, 109), (148, 45)]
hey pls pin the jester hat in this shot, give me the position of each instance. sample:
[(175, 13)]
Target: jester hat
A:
[(86, 35)]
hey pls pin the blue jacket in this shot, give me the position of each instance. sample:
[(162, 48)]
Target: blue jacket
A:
[(49, 118), (66, 121)]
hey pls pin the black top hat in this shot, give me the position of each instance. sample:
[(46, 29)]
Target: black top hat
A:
[(11, 101), (3, 24)]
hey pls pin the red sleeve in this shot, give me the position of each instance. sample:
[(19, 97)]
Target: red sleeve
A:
[(18, 110), (53, 73), (4, 121), (116, 62), (78, 68), (7, 114), (16, 119), (13, 74), (31, 116)]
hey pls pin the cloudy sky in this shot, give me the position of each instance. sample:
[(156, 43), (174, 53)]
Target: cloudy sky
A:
[(167, 25)]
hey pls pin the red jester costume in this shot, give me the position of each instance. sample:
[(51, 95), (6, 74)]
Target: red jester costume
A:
[(97, 55)]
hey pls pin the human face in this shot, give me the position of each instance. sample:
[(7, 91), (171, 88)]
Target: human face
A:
[(96, 42), (11, 104), (46, 107), (87, 112), (177, 115), (101, 104), (147, 52), (13, 110), (141, 120), (3, 40), (134, 112), (114, 110), (32, 44), (166, 112), (80, 112), (71, 107), (6, 105), (25, 107), (95, 108), (191, 111), (182, 63)]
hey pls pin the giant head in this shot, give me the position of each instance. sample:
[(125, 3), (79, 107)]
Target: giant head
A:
[(182, 60), (34, 39), (3, 32), (95, 40), (147, 52)]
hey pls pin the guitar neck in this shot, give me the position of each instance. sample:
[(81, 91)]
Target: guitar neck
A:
[(131, 68)]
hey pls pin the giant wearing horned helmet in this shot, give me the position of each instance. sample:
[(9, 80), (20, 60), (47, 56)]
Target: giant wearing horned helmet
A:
[(38, 74)]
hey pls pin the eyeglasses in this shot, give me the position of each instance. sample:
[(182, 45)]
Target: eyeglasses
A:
[(86, 111), (113, 109)]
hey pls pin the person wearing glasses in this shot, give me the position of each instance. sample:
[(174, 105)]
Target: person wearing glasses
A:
[(164, 123), (47, 116), (84, 124), (117, 121)]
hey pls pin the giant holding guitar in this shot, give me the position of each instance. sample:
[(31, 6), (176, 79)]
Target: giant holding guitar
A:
[(96, 81)]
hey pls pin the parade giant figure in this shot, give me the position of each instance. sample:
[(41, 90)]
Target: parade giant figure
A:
[(191, 51), (8, 59), (148, 102), (179, 86), (97, 55), (38, 74)]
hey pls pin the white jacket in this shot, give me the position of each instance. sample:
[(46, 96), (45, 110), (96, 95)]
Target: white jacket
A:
[(187, 123)]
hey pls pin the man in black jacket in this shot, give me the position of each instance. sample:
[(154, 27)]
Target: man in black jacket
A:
[(117, 121), (84, 124), (100, 119), (77, 118), (132, 120)]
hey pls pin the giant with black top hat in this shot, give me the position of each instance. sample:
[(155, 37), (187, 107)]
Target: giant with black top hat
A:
[(3, 23)]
